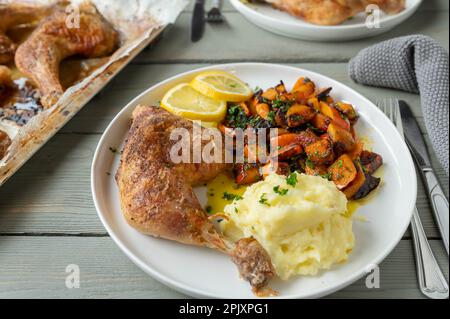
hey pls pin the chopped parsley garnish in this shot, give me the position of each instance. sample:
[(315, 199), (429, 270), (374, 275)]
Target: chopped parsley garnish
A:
[(281, 105), (326, 176), (233, 85), (263, 199), (230, 196), (339, 163), (236, 210), (208, 209), (309, 163), (292, 179), (236, 117), (271, 116), (280, 191)]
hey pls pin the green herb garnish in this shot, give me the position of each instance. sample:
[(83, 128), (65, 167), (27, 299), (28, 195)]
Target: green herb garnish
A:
[(230, 196), (208, 209), (292, 179), (263, 199), (280, 191), (309, 163), (236, 117)]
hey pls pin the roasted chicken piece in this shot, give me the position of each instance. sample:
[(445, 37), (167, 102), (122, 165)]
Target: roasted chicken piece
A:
[(332, 12), (157, 196), (5, 142), (54, 40), (12, 15), (6, 84)]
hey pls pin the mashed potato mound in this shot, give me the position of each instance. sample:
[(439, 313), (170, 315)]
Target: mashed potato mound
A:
[(303, 227)]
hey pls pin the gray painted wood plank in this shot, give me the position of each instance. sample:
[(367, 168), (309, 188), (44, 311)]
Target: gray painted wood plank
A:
[(34, 267), (246, 42)]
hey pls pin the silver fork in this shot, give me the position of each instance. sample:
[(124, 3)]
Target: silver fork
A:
[(214, 15), (431, 279)]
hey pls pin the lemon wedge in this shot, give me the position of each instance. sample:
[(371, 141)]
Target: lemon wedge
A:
[(221, 85), (188, 103)]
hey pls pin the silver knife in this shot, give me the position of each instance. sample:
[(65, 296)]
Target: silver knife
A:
[(198, 20), (416, 144)]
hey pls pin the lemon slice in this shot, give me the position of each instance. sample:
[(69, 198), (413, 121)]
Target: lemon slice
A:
[(221, 85), (186, 102)]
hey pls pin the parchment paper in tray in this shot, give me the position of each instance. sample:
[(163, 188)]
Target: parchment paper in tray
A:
[(138, 22)]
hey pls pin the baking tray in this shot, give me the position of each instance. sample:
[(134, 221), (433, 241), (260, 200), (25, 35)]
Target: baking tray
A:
[(32, 136)]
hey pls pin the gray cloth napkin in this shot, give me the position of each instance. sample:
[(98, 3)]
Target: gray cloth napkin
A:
[(416, 64)]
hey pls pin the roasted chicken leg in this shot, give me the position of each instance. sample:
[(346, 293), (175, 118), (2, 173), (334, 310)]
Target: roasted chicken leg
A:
[(13, 15), (54, 40), (157, 196), (332, 12)]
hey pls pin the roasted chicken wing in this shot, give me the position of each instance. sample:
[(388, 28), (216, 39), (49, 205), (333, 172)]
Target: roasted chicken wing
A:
[(13, 15), (157, 196), (332, 12), (54, 40)]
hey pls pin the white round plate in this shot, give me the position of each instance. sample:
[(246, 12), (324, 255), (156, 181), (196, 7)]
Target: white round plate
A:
[(282, 23), (202, 272)]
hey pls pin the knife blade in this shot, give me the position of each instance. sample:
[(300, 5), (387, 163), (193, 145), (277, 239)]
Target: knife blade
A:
[(416, 144), (414, 136), (198, 20)]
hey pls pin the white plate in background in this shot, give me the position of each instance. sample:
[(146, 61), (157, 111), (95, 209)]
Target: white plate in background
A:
[(282, 23), (202, 272)]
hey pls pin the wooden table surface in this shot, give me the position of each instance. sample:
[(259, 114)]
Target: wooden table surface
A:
[(47, 216)]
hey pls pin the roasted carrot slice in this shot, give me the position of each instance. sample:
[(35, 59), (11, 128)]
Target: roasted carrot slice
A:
[(323, 94), (342, 139), (245, 108), (314, 103), (335, 116), (356, 152), (348, 110), (303, 89), (270, 94), (280, 118), (342, 171), (320, 152), (253, 153), (286, 152), (262, 109), (280, 168), (307, 137), (281, 88), (247, 174), (369, 185), (320, 122), (299, 114), (285, 146), (370, 161), (351, 190), (284, 140), (315, 170)]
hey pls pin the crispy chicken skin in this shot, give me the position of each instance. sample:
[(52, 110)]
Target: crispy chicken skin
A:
[(54, 40), (157, 196), (332, 12), (13, 15)]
